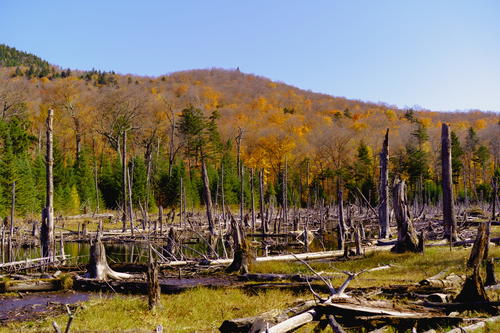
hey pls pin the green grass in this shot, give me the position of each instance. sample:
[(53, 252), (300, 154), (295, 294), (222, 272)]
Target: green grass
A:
[(408, 268), (200, 309), (204, 310)]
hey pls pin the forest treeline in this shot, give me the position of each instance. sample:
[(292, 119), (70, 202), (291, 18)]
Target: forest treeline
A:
[(186, 131)]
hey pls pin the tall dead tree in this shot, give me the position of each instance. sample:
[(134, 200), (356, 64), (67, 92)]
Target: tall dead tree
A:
[(450, 223), (124, 182), (341, 227), (407, 237), (47, 229), (207, 196), (252, 198), (261, 201), (383, 210)]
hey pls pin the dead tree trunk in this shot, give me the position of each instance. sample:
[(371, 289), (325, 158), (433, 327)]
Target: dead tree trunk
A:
[(407, 237), (473, 289), (285, 194), (12, 210), (130, 203), (98, 267), (242, 195), (449, 220), (160, 219), (383, 210), (154, 291), (47, 229), (124, 182), (341, 226), (207, 196), (478, 250), (261, 201), (252, 198), (494, 198), (241, 258), (490, 273)]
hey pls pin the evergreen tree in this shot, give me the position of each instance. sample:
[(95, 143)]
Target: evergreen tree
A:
[(84, 181), (456, 157)]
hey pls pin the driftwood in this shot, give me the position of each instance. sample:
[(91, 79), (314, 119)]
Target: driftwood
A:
[(316, 312)]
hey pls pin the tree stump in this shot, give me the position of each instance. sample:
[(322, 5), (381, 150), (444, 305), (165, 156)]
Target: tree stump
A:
[(473, 289), (490, 273), (479, 248), (154, 291), (407, 237), (241, 257), (171, 248), (98, 267)]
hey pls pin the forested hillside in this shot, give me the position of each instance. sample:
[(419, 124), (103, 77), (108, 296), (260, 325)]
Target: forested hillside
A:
[(174, 125)]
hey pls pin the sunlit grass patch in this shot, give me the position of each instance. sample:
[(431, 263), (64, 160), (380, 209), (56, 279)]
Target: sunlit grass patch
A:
[(200, 309), (407, 268)]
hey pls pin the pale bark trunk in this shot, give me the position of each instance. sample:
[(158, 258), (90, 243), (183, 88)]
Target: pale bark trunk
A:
[(207, 196), (124, 182), (261, 201), (383, 210), (449, 220), (252, 198), (407, 237), (47, 230)]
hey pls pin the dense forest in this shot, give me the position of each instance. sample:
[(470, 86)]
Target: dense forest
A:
[(147, 140)]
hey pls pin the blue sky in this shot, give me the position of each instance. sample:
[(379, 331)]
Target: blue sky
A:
[(439, 54)]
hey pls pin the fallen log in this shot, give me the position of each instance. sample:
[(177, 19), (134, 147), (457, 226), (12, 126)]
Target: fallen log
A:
[(475, 326), (404, 324), (62, 283), (245, 324), (455, 306), (284, 257), (356, 310), (452, 281), (279, 277)]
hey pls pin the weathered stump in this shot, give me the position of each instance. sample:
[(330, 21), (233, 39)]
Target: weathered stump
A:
[(479, 248), (241, 257), (407, 237), (98, 267), (490, 273), (154, 291)]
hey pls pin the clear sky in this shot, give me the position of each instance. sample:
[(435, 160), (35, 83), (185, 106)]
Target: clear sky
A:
[(439, 54)]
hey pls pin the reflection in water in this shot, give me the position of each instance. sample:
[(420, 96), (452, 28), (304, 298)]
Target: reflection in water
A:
[(137, 252)]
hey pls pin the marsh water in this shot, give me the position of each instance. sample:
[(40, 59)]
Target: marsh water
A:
[(137, 252)]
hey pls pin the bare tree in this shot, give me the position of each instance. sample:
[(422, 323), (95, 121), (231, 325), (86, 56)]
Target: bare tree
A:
[(47, 230), (383, 210), (450, 223)]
